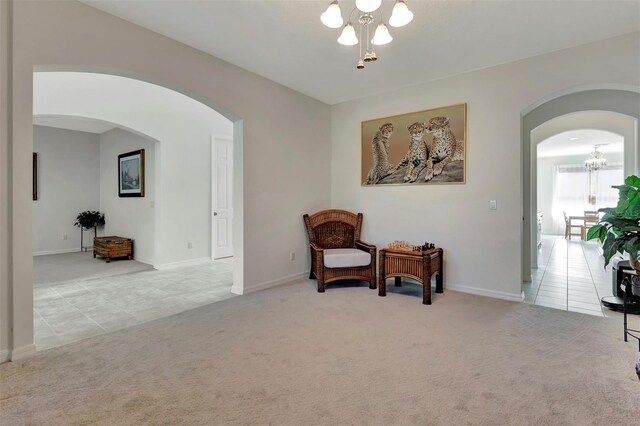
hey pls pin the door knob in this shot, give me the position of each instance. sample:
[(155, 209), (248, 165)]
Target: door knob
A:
[(215, 213)]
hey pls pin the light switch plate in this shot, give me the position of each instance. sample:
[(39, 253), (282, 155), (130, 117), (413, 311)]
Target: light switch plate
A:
[(493, 205)]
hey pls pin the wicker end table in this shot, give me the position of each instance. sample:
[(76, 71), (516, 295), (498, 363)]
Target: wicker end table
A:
[(419, 266)]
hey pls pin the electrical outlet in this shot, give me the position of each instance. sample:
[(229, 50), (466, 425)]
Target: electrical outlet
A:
[(292, 256), (65, 237), (493, 205), (189, 245)]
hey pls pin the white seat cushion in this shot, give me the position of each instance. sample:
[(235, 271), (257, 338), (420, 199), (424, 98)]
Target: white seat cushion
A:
[(346, 258)]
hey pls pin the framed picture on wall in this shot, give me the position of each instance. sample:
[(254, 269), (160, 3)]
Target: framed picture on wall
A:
[(35, 176), (424, 147), (131, 174)]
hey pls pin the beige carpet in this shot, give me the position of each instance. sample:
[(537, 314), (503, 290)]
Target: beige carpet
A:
[(291, 356), (57, 268)]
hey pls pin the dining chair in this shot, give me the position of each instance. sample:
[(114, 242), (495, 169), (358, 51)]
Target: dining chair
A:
[(568, 229), (591, 218)]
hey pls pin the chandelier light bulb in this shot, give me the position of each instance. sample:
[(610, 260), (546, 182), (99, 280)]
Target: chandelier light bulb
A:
[(360, 64), (382, 35), (368, 5), (332, 17), (401, 14), (348, 36)]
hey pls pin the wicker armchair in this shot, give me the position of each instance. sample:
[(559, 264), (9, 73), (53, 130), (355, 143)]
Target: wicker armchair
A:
[(336, 250)]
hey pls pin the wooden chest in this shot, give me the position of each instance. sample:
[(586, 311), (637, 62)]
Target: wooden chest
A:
[(113, 247)]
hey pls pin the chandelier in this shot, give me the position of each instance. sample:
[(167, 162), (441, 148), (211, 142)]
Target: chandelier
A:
[(596, 161), (593, 164), (367, 12)]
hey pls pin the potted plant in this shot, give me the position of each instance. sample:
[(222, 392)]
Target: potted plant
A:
[(87, 220), (619, 228)]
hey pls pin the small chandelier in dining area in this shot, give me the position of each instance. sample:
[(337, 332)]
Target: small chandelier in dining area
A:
[(367, 15), (596, 161)]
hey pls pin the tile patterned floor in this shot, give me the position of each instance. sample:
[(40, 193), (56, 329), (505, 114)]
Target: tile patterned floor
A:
[(570, 276), (73, 310)]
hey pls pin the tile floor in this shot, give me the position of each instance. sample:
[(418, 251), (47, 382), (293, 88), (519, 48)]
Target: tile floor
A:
[(68, 311), (570, 276)]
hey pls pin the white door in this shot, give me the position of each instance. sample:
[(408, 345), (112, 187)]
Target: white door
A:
[(222, 203)]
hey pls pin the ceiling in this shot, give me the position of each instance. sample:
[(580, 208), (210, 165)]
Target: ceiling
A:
[(286, 42), (73, 123), (580, 142)]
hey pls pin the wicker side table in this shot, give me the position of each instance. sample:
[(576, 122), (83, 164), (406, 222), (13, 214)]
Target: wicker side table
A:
[(419, 266)]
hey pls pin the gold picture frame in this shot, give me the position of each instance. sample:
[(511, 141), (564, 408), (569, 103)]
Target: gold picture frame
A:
[(422, 147)]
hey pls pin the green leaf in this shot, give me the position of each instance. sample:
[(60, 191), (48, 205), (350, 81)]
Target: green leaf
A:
[(603, 235), (594, 232), (633, 208), (632, 247), (632, 181), (623, 205), (619, 222), (609, 248)]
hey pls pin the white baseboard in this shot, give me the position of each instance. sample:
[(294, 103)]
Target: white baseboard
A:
[(190, 262), (60, 251), (268, 284), (4, 356), (146, 262), (513, 297), (23, 352)]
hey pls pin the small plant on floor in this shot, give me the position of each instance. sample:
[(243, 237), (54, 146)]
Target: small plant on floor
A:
[(87, 220), (90, 219), (619, 228)]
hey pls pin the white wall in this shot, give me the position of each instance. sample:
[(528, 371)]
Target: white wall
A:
[(482, 247), (68, 183), (130, 217), (272, 126), (545, 184)]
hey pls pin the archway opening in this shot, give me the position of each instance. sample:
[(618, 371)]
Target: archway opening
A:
[(610, 110), (171, 223), (569, 272)]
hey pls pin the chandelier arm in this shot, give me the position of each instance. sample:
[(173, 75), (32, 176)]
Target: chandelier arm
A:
[(351, 13), (360, 42)]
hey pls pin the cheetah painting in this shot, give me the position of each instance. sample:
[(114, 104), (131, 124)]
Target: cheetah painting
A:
[(429, 147)]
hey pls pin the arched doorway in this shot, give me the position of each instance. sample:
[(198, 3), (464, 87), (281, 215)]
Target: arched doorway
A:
[(624, 101), (22, 310), (569, 271)]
